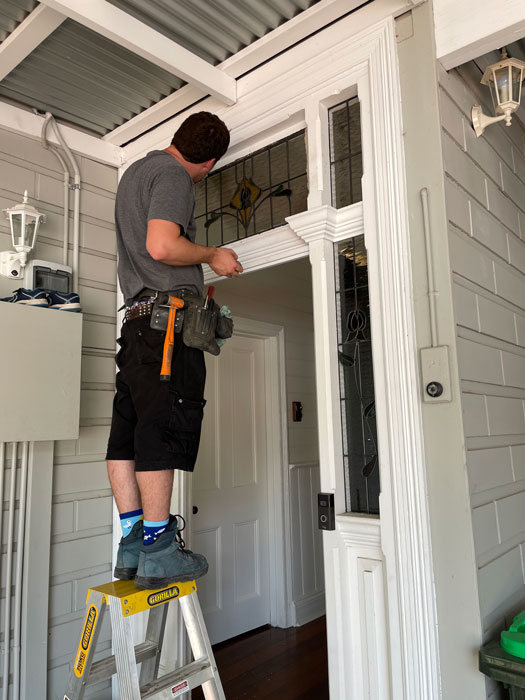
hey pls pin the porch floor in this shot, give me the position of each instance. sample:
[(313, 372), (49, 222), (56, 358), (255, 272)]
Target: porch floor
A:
[(270, 662)]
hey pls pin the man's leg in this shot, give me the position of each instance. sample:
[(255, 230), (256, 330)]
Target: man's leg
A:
[(125, 489), (124, 485), (155, 492), (149, 490)]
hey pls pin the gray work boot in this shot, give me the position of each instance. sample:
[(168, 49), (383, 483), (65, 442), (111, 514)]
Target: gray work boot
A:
[(167, 561), (128, 553)]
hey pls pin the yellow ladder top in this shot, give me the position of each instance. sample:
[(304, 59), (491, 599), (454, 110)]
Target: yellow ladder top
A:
[(134, 600)]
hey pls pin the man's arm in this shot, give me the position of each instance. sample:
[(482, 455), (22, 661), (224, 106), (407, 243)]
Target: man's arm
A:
[(165, 244)]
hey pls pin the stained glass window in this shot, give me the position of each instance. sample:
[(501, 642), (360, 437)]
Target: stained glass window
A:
[(345, 153), (253, 194), (358, 408)]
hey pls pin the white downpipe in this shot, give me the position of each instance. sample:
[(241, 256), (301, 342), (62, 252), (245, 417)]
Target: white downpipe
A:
[(9, 568), (76, 199), (20, 539), (67, 176)]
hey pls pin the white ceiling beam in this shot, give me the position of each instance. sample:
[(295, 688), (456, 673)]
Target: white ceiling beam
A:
[(36, 27), (280, 39), (125, 30), (26, 123), (465, 30)]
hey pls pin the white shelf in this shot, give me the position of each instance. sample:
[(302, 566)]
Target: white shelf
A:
[(40, 358)]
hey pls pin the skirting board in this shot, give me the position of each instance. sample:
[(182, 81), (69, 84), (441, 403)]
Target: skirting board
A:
[(309, 608)]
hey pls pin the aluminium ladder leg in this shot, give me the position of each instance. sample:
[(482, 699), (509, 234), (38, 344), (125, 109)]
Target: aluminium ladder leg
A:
[(124, 601)]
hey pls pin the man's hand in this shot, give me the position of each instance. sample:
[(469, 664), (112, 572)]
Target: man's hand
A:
[(225, 262)]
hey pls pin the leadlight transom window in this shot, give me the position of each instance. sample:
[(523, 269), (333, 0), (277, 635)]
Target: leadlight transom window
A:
[(253, 194), (346, 163), (358, 407)]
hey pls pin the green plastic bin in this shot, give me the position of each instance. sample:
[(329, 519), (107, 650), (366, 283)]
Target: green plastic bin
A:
[(509, 669)]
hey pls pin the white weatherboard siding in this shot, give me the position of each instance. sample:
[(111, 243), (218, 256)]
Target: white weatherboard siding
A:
[(282, 296), (81, 522), (485, 195)]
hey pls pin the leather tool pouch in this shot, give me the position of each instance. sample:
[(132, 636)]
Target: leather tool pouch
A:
[(199, 325), (202, 325), (160, 312)]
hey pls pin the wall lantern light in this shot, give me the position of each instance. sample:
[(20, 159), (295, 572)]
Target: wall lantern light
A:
[(24, 221), (504, 80)]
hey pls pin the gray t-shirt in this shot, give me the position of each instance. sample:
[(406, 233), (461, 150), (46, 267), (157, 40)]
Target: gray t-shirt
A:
[(154, 187)]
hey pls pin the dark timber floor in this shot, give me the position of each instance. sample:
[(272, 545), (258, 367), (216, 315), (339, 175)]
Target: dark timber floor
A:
[(273, 663)]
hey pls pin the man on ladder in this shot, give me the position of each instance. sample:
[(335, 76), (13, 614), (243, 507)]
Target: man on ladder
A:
[(157, 415), (156, 424)]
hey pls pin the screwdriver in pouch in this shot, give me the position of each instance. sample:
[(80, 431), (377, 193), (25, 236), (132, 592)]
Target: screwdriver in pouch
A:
[(209, 295)]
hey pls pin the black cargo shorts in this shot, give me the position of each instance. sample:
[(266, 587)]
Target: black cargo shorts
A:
[(157, 424)]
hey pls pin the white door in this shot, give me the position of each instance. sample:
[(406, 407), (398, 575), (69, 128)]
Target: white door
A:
[(231, 493)]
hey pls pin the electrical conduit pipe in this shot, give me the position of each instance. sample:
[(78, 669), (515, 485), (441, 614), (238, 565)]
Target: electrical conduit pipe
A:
[(67, 176), (76, 199)]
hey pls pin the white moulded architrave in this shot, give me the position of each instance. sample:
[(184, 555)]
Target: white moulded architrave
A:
[(360, 530), (280, 244), (327, 222)]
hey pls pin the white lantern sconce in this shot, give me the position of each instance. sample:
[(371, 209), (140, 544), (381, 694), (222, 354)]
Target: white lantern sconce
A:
[(504, 80), (24, 221)]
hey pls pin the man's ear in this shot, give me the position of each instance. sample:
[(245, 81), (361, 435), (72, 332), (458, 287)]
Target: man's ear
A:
[(210, 163)]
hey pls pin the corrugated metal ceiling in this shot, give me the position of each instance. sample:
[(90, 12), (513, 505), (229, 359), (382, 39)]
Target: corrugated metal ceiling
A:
[(87, 80), (213, 30), (12, 12), (93, 83)]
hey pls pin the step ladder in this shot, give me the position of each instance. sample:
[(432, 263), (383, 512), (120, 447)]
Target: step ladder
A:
[(125, 600)]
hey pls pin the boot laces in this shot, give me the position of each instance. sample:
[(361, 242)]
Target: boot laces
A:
[(178, 536)]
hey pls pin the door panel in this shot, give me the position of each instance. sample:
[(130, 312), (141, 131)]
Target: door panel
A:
[(230, 491)]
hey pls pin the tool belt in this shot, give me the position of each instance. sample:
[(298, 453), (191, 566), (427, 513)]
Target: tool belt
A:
[(197, 318)]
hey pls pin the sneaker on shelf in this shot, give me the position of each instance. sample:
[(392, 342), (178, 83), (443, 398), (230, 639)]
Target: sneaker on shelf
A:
[(32, 297), (64, 302), (167, 560)]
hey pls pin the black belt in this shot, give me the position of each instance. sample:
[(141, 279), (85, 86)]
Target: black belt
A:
[(144, 301), (138, 310)]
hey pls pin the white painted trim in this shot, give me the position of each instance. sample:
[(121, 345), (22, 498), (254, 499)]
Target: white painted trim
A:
[(304, 465), (280, 536), (328, 223), (38, 25), (281, 244), (29, 124), (265, 48), (122, 28), (464, 33), (309, 608), (359, 530), (35, 586), (405, 521)]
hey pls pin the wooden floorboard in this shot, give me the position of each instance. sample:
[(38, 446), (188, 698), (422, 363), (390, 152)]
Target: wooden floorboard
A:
[(291, 664)]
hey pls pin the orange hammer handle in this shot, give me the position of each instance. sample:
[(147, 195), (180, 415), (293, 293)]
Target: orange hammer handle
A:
[(167, 353)]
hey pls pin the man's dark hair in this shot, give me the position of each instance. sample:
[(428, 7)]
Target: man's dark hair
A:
[(201, 137)]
